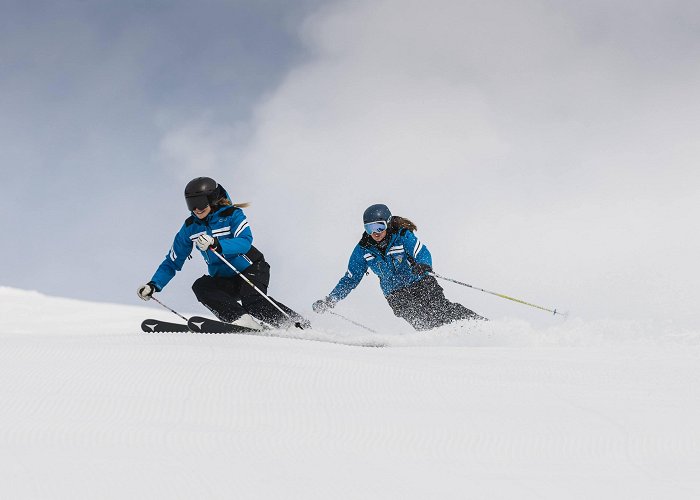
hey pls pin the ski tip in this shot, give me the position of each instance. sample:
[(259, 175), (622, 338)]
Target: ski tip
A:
[(149, 325), (157, 326)]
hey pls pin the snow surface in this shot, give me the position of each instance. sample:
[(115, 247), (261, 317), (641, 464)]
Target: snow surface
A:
[(93, 408)]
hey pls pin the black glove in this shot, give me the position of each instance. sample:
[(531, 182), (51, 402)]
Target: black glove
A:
[(422, 268), (321, 306), (146, 291)]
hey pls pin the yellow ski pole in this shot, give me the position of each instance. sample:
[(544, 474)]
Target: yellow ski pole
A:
[(553, 311)]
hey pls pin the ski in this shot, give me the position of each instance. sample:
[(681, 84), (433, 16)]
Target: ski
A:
[(199, 324), (196, 325), (156, 325)]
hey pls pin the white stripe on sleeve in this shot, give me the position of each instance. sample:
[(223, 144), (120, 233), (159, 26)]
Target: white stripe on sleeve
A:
[(240, 228), (417, 248)]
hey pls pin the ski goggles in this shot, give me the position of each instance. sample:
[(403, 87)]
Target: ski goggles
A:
[(197, 202), (375, 227)]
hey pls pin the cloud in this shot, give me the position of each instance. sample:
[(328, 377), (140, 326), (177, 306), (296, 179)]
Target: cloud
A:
[(535, 144)]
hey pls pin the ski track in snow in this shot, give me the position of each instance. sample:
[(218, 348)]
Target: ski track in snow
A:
[(93, 408)]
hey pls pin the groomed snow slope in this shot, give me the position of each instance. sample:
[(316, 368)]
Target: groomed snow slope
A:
[(93, 408)]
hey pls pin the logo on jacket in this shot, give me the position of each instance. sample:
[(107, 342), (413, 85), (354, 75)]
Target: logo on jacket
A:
[(400, 258)]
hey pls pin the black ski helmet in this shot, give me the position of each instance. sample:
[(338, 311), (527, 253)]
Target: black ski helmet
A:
[(376, 213), (201, 192)]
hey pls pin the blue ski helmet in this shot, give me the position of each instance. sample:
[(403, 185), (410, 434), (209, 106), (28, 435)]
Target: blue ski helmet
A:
[(201, 192), (376, 218), (376, 213)]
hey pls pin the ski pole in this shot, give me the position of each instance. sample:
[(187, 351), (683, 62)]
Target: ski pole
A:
[(169, 309), (553, 311), (353, 322), (245, 278)]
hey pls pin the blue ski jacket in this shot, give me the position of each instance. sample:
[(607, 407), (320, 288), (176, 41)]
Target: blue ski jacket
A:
[(393, 264), (230, 226)]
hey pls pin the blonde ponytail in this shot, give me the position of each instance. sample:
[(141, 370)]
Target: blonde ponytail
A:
[(225, 202)]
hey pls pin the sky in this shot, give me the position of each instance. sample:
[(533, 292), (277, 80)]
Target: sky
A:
[(545, 149)]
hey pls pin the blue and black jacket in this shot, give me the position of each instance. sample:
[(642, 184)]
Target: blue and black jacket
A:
[(230, 226), (393, 262)]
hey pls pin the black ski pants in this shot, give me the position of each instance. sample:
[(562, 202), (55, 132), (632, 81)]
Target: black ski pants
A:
[(230, 298), (424, 306)]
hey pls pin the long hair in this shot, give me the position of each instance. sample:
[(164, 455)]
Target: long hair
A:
[(225, 202), (398, 223)]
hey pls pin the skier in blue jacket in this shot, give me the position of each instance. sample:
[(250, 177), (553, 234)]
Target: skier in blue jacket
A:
[(216, 223), (394, 253)]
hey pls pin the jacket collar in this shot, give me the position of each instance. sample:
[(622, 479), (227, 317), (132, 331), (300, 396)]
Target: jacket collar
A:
[(381, 247)]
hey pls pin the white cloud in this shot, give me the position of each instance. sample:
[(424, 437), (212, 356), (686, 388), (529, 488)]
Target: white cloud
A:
[(545, 149), (534, 150)]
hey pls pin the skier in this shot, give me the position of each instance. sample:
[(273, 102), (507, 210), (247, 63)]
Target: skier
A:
[(394, 253), (218, 224)]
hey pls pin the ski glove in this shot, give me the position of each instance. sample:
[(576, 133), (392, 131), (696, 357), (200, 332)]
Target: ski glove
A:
[(422, 269), (204, 241), (321, 306), (146, 291)]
